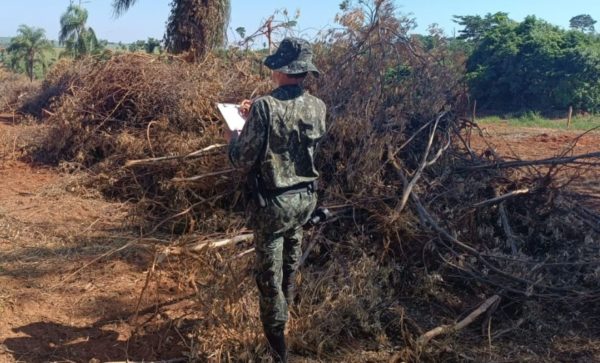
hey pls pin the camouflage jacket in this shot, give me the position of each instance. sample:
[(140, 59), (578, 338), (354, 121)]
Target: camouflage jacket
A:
[(280, 137)]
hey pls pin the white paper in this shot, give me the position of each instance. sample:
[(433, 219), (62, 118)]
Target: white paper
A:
[(231, 114)]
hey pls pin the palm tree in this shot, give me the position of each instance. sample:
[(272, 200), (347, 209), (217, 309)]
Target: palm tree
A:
[(194, 25), (74, 35), (29, 47), (197, 26), (121, 6)]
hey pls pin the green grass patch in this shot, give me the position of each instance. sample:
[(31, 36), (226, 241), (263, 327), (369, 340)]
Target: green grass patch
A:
[(533, 119)]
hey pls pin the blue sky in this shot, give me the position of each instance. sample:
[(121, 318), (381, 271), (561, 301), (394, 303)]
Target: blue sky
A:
[(147, 18)]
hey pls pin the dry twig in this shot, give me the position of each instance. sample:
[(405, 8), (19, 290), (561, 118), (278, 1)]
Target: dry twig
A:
[(451, 328), (501, 197), (209, 150)]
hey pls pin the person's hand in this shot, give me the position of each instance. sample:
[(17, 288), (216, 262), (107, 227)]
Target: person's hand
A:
[(245, 108)]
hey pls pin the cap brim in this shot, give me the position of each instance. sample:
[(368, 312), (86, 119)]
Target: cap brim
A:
[(270, 62), (311, 68)]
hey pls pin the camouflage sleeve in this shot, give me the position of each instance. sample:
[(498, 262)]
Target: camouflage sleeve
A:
[(246, 148)]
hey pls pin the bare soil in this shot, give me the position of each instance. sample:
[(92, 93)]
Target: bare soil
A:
[(526, 143), (68, 294), (60, 300)]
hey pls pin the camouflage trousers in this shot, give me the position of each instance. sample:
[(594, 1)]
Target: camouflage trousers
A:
[(278, 238)]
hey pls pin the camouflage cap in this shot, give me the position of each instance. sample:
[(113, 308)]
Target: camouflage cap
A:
[(293, 56)]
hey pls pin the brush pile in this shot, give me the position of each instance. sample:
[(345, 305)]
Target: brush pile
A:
[(134, 106), (15, 90), (426, 227)]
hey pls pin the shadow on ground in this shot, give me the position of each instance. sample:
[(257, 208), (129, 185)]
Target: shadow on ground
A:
[(49, 341)]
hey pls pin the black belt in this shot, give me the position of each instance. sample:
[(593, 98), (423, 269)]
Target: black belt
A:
[(310, 187)]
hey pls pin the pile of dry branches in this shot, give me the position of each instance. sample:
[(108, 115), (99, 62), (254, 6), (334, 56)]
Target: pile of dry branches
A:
[(399, 152), (136, 107), (15, 90), (426, 228), (421, 216)]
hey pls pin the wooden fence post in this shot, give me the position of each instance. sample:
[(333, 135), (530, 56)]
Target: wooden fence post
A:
[(570, 116), (474, 114)]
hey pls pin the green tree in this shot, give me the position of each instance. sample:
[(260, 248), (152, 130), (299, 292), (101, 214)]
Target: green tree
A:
[(121, 6), (583, 22), (151, 45), (475, 26), (137, 46), (196, 26), (534, 65), (3, 56), (75, 35), (28, 48)]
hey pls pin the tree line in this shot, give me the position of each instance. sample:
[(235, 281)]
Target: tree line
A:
[(511, 66), (531, 65)]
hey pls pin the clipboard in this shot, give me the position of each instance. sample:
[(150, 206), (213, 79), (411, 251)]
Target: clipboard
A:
[(231, 115)]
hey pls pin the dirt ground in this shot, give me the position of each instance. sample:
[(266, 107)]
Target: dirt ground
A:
[(538, 143), (59, 301), (68, 294)]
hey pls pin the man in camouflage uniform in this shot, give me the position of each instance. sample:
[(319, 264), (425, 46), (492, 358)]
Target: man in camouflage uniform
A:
[(277, 145)]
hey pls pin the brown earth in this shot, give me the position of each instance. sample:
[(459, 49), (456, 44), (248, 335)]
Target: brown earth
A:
[(535, 143), (59, 301), (67, 294), (527, 143)]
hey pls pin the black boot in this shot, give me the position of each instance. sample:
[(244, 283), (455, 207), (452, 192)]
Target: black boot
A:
[(277, 343)]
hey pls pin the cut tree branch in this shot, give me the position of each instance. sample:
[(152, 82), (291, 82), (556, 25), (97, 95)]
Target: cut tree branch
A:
[(196, 154), (222, 242), (424, 163), (178, 250), (502, 197), (445, 329), (510, 236), (522, 163), (202, 176)]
